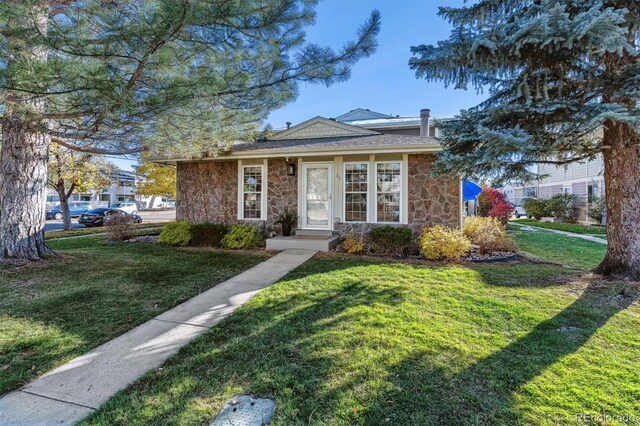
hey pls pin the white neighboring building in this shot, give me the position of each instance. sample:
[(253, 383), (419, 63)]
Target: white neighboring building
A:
[(123, 188), (509, 192), (584, 179)]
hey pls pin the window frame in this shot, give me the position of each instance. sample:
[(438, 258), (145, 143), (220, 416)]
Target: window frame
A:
[(400, 192), (595, 191), (367, 193), (263, 192)]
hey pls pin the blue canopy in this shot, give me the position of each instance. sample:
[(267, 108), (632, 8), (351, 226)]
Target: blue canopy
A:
[(470, 190)]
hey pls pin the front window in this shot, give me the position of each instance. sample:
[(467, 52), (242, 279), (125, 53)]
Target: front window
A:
[(252, 192), (593, 192), (356, 186), (529, 192), (388, 187)]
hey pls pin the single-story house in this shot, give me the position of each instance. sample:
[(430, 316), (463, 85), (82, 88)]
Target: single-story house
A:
[(339, 177)]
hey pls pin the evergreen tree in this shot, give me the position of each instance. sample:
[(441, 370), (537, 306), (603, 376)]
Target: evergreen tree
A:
[(123, 76), (562, 78)]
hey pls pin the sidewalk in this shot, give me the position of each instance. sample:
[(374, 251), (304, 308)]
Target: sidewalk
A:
[(74, 390), (569, 234)]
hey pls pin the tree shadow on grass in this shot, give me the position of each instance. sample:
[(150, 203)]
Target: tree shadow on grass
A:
[(53, 311), (483, 393), (274, 350), (294, 344)]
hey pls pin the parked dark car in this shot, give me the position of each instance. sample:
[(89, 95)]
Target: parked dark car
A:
[(101, 216), (75, 210)]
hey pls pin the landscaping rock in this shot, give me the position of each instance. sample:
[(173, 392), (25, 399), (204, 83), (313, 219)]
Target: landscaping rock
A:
[(527, 228), (496, 256), (149, 239)]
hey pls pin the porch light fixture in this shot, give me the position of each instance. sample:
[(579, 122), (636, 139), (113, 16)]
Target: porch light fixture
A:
[(291, 169)]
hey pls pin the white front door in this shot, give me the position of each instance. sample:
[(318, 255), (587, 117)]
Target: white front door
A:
[(316, 196)]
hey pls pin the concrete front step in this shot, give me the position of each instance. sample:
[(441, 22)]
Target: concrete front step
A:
[(313, 233), (318, 243)]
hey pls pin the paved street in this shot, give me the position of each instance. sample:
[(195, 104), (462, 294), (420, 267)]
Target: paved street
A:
[(148, 216)]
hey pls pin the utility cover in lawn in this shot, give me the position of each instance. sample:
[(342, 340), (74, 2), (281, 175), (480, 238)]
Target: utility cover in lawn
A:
[(244, 410)]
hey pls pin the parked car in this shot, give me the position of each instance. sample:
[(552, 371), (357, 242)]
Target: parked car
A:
[(518, 209), (101, 216), (75, 210), (131, 208)]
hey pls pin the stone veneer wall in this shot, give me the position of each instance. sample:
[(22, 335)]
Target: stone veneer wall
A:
[(432, 200), (207, 191), (282, 190)]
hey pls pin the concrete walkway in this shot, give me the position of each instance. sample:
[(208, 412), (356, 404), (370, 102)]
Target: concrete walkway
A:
[(69, 393), (569, 234)]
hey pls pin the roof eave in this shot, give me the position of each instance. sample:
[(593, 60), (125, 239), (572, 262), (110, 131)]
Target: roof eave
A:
[(288, 152), (389, 126)]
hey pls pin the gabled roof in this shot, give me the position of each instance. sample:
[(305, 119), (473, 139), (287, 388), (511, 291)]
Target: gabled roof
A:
[(309, 147), (322, 136), (320, 127), (361, 114), (367, 143)]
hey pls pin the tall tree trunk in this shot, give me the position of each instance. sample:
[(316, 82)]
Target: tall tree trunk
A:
[(64, 205), (23, 161), (622, 185), (23, 158)]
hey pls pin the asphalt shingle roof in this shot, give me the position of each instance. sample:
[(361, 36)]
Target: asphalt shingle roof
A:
[(339, 143)]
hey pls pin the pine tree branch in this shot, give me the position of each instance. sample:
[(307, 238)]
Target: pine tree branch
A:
[(96, 150)]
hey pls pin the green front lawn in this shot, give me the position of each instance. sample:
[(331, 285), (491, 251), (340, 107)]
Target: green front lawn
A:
[(56, 310), (571, 251), (567, 227), (75, 232), (344, 340)]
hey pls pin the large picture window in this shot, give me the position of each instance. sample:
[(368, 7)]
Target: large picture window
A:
[(252, 192), (388, 190), (356, 187)]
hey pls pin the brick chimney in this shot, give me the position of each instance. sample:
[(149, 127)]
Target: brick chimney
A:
[(425, 121)]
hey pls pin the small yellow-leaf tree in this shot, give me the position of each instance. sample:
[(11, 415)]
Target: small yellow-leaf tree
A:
[(158, 179), (72, 171)]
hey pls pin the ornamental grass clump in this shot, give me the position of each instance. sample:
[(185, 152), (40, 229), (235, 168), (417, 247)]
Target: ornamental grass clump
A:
[(443, 243), (353, 245), (488, 234)]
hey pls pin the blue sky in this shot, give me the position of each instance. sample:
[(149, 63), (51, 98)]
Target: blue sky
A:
[(382, 82)]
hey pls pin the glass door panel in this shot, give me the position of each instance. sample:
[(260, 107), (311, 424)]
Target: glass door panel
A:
[(317, 196)]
